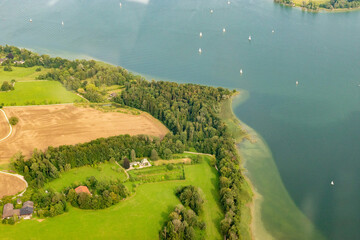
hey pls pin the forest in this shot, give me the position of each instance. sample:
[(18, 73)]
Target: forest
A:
[(190, 111), (332, 4)]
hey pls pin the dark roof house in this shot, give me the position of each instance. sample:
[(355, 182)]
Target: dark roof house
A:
[(25, 212), (8, 210)]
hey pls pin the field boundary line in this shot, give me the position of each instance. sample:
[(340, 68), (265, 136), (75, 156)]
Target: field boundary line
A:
[(43, 105), (11, 129)]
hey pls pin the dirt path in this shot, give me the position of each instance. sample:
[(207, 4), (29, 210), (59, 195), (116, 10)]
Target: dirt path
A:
[(4, 126), (196, 153), (127, 175)]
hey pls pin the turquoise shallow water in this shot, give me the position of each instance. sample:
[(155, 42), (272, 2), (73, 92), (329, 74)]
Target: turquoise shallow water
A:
[(312, 129)]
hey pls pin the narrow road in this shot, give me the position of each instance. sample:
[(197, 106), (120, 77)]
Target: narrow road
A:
[(9, 126)]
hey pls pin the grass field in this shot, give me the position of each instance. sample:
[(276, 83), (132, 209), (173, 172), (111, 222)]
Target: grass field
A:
[(157, 173), (29, 91), (105, 171), (37, 93), (20, 74), (138, 217)]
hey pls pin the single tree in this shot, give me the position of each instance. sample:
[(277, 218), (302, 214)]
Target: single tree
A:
[(126, 163), (133, 155), (6, 86), (154, 155), (10, 56)]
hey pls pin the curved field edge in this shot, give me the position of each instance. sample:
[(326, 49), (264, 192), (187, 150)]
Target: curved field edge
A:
[(140, 216), (275, 215), (11, 184)]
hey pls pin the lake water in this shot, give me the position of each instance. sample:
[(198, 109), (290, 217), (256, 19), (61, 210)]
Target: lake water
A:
[(312, 129)]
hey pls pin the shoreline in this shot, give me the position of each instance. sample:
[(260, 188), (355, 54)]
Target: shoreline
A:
[(274, 214), (256, 226)]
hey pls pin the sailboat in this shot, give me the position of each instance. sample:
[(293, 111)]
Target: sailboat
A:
[(241, 71), (200, 34), (249, 38), (62, 23), (200, 51), (332, 183), (30, 20)]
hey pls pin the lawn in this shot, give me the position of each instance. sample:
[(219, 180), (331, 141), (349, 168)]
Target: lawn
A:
[(105, 171), (138, 217), (20, 74), (37, 93)]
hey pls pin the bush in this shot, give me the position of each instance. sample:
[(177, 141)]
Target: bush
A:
[(8, 68), (170, 166), (6, 86), (38, 69), (13, 121)]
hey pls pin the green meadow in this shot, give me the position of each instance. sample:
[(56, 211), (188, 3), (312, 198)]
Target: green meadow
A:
[(140, 216), (104, 171), (29, 91), (37, 93), (20, 74)]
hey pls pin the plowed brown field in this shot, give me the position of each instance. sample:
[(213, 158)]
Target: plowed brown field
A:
[(55, 125)]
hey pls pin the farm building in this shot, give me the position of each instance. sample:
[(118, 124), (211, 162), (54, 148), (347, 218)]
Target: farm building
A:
[(82, 189), (25, 212), (2, 60)]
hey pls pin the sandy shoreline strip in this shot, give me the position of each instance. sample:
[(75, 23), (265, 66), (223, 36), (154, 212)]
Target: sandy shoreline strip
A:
[(257, 228)]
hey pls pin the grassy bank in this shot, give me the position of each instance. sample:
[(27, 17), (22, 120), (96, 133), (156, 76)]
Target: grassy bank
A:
[(275, 214), (140, 216)]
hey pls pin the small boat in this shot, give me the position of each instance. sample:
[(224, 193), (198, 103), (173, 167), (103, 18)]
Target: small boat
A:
[(200, 50), (273, 31), (332, 183), (62, 23), (200, 34), (224, 30), (241, 71), (297, 83), (211, 11), (30, 20), (249, 38), (228, 2), (120, 4)]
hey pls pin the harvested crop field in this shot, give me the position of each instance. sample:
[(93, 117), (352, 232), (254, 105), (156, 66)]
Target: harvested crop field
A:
[(4, 126), (55, 125), (10, 185)]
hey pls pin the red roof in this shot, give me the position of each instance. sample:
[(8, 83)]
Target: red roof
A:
[(81, 189)]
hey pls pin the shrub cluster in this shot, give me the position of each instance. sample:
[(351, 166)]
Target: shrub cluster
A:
[(190, 197), (103, 194), (182, 225)]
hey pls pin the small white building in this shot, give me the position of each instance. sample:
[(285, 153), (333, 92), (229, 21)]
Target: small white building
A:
[(145, 162)]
